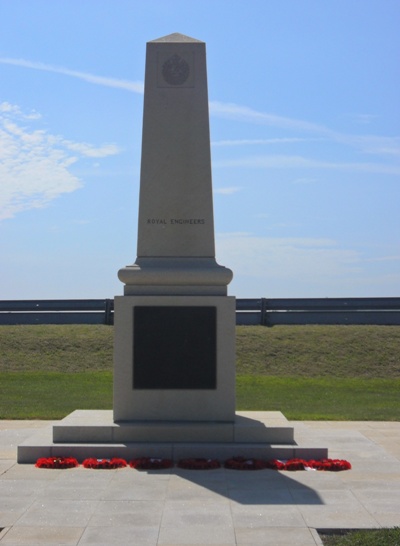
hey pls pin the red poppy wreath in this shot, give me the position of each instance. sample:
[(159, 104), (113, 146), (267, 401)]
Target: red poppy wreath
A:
[(56, 462), (150, 463), (104, 463)]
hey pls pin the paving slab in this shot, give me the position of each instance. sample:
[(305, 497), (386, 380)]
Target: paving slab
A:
[(220, 507)]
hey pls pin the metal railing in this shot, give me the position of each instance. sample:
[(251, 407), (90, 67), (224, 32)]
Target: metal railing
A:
[(264, 311), (271, 312), (57, 312)]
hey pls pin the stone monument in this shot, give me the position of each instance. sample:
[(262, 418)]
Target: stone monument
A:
[(174, 347), (175, 324)]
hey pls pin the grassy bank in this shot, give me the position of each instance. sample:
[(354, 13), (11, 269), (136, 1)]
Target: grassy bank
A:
[(377, 537), (327, 398), (307, 372), (52, 395)]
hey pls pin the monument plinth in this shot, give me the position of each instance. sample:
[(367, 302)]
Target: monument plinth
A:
[(175, 324)]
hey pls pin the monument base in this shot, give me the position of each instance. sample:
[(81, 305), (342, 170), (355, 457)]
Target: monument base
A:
[(174, 358), (93, 433)]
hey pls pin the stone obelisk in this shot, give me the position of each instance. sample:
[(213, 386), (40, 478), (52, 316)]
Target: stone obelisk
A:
[(175, 324), (175, 247)]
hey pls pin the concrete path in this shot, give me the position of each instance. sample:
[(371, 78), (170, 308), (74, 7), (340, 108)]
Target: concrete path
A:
[(221, 507)]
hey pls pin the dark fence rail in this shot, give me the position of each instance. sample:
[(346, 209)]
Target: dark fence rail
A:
[(57, 312), (271, 312), (267, 312)]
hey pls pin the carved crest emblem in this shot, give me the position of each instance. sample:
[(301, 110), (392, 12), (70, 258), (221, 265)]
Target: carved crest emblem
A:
[(175, 70)]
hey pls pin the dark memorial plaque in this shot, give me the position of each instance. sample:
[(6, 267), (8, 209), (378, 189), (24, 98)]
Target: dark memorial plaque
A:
[(175, 348)]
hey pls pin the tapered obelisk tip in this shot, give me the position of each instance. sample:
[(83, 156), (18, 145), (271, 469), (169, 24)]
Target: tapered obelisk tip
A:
[(176, 37)]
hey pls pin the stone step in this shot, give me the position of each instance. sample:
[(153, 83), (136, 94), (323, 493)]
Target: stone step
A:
[(83, 426), (41, 445), (81, 430)]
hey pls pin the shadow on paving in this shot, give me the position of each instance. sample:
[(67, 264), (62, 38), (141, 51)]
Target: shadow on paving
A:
[(264, 487)]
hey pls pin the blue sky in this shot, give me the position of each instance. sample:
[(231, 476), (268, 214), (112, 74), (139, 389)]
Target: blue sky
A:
[(305, 142)]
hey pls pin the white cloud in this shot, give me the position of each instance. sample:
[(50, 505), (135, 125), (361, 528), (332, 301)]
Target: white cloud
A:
[(370, 144), (305, 180), (87, 150), (299, 162), (34, 164), (136, 87), (227, 191), (361, 119), (285, 258), (244, 113), (385, 259), (254, 142), (7, 108), (288, 267), (297, 267)]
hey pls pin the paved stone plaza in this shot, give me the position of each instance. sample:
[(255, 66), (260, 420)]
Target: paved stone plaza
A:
[(41, 507)]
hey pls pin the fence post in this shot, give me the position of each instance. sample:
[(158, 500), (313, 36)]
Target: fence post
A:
[(108, 318), (263, 320)]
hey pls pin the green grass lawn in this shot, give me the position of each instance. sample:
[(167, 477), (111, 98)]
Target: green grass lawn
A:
[(326, 398), (52, 395), (378, 537), (307, 372)]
